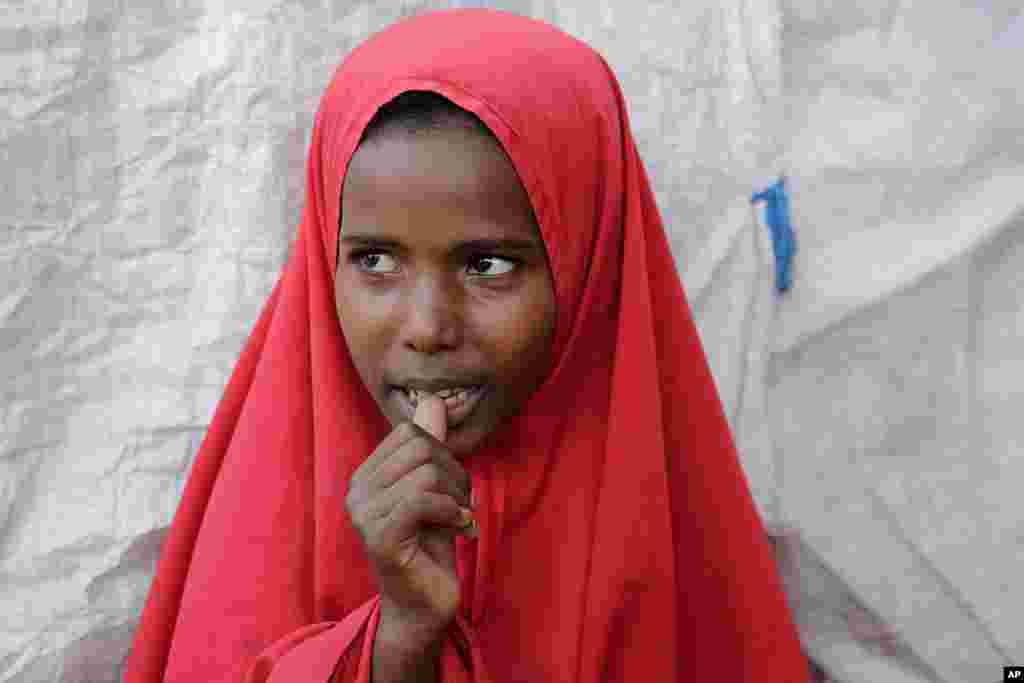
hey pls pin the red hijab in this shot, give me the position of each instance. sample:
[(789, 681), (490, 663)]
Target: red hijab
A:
[(618, 539)]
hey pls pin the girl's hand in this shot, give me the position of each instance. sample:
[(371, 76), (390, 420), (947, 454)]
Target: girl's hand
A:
[(408, 500)]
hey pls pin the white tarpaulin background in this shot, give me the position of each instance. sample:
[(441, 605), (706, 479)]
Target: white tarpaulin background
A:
[(151, 175)]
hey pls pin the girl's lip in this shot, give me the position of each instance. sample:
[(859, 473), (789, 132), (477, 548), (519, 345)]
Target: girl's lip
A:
[(456, 415)]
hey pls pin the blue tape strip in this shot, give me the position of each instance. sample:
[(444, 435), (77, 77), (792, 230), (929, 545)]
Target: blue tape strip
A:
[(776, 215)]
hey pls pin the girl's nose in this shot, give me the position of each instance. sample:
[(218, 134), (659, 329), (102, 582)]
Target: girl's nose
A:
[(433, 320)]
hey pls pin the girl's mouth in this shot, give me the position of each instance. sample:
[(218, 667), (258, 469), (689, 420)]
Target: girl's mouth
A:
[(459, 401)]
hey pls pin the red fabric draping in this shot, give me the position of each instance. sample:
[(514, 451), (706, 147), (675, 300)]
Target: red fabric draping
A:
[(618, 538)]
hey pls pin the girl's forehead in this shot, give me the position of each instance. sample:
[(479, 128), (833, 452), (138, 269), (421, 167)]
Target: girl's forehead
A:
[(458, 151), (459, 170)]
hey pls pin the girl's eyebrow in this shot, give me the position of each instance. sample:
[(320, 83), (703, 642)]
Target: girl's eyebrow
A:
[(503, 244)]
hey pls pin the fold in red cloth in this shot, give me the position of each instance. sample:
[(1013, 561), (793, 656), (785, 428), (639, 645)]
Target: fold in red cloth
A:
[(618, 539)]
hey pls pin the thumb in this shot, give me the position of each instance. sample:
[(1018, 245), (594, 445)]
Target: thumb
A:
[(432, 415)]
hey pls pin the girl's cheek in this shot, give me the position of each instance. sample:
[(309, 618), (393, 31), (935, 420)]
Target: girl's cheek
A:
[(372, 303)]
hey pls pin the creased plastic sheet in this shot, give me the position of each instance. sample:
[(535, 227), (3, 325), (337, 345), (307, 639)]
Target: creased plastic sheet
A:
[(151, 164)]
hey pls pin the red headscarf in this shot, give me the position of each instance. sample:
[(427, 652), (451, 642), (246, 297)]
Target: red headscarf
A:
[(618, 538)]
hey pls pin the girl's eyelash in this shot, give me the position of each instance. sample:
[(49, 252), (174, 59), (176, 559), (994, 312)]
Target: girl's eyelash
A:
[(356, 256)]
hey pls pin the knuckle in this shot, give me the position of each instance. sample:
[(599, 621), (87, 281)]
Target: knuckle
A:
[(353, 498), (403, 515), (431, 475), (358, 519), (412, 506), (408, 429), (397, 513)]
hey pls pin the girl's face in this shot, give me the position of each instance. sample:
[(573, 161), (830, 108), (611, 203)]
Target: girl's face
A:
[(443, 278)]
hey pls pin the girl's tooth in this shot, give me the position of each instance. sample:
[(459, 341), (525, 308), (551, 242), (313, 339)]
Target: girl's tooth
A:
[(451, 397), (452, 401), (458, 398)]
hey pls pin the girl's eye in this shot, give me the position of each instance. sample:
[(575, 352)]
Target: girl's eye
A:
[(488, 270), (367, 259), (486, 266)]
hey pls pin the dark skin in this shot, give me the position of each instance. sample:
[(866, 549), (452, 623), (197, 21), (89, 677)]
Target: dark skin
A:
[(427, 309), (418, 303)]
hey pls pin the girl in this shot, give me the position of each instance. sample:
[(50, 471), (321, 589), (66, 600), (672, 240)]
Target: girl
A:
[(473, 435)]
